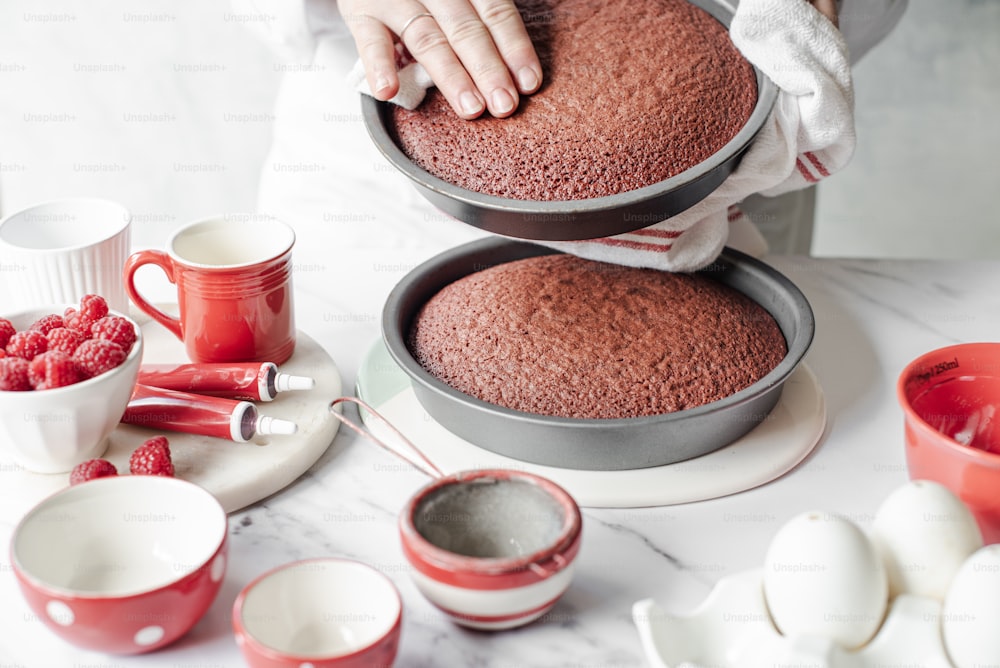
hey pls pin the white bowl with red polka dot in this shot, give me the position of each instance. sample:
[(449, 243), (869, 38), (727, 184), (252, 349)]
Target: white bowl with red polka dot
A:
[(122, 565), (51, 431), (319, 613)]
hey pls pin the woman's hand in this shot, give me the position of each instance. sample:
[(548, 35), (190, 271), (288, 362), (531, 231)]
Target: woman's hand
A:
[(477, 51)]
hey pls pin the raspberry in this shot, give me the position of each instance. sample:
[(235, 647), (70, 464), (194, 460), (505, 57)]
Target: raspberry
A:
[(7, 330), (27, 344), (14, 375), (52, 369), (64, 339), (116, 329), (158, 441), (73, 320), (47, 323), (152, 458), (95, 356), (93, 308), (91, 469)]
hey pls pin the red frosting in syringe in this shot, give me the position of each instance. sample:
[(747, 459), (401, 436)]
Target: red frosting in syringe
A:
[(158, 408), (252, 381)]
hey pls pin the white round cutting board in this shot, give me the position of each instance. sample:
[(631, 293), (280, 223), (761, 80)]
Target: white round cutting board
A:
[(767, 452), (238, 474)]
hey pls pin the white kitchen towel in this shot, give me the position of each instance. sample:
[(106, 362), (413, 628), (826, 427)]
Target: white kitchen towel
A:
[(413, 79), (808, 136)]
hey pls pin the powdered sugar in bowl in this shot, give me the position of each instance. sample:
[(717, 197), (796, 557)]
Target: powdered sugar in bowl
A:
[(492, 549)]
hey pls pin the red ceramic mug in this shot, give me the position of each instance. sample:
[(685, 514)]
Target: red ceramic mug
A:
[(234, 288), (951, 409)]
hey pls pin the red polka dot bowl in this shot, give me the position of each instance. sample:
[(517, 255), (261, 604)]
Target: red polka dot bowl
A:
[(319, 613), (123, 565), (492, 549)]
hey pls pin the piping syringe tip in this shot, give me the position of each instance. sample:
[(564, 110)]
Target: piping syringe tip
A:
[(270, 426), (285, 382)]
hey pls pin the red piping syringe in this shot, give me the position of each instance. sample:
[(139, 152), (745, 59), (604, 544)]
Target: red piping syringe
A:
[(252, 381)]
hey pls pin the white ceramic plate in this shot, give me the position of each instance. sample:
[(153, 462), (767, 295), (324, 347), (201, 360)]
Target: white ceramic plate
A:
[(769, 451)]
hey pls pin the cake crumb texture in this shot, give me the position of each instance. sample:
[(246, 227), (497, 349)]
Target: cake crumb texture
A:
[(635, 92), (559, 335)]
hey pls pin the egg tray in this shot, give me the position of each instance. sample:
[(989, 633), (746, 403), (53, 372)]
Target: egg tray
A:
[(584, 218), (732, 627), (941, 589)]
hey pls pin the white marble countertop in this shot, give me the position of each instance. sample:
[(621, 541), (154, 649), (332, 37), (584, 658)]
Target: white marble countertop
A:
[(872, 317)]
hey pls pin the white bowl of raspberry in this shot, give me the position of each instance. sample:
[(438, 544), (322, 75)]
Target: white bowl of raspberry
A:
[(66, 376)]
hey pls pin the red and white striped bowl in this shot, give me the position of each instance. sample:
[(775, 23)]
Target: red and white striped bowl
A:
[(492, 549)]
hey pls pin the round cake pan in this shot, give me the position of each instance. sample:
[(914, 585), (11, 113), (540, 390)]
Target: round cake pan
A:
[(586, 218), (596, 444)]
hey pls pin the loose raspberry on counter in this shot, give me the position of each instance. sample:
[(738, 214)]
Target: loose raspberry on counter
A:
[(64, 339), (95, 356), (47, 323), (158, 441), (52, 369), (152, 458), (27, 344), (91, 469), (116, 329), (14, 375), (7, 330)]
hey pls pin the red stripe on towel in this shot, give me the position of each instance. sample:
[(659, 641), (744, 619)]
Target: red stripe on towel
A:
[(733, 215), (659, 234), (634, 245), (805, 171), (817, 164)]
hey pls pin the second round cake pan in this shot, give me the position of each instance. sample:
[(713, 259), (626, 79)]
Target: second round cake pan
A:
[(603, 444), (582, 218)]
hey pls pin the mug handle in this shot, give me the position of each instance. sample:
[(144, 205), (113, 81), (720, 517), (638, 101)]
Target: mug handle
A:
[(163, 261)]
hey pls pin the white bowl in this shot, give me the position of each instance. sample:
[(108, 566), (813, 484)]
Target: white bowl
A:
[(51, 431), (323, 613)]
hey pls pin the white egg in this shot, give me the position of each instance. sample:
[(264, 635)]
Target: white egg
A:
[(924, 533), (970, 618), (822, 576)]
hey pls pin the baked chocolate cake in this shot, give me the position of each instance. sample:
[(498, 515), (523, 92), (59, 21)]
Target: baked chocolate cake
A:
[(559, 335), (635, 91)]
